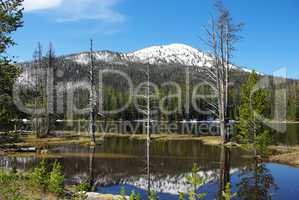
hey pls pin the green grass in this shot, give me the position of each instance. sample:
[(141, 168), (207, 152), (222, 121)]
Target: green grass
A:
[(19, 186)]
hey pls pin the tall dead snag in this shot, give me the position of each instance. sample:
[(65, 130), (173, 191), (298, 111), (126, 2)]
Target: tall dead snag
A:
[(92, 100), (147, 97), (51, 77), (221, 39), (38, 59), (39, 85)]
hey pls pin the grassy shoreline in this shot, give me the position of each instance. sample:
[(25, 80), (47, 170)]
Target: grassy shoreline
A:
[(30, 140), (279, 154), (19, 186)]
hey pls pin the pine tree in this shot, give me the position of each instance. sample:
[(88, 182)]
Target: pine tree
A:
[(255, 103), (11, 13)]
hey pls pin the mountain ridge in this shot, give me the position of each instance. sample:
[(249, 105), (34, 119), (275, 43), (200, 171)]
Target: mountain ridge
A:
[(175, 53)]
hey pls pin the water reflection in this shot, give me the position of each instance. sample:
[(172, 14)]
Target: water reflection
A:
[(91, 168), (225, 170), (148, 163), (121, 162), (125, 156), (256, 182)]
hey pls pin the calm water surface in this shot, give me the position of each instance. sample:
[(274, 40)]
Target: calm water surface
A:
[(121, 162)]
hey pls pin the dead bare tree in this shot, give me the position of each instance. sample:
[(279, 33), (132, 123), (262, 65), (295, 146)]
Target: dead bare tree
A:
[(147, 96), (92, 101), (38, 62), (51, 77), (221, 39)]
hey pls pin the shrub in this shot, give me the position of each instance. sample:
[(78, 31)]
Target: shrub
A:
[(123, 193), (195, 180), (84, 186), (41, 176), (135, 196), (81, 190), (56, 180), (132, 195), (138, 196), (181, 196), (263, 140), (153, 195), (10, 186)]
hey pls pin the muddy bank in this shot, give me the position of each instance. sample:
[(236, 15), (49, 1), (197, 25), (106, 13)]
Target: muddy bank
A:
[(32, 141), (285, 155)]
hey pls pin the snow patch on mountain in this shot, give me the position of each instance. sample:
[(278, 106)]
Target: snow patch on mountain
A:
[(170, 54), (106, 56), (165, 54)]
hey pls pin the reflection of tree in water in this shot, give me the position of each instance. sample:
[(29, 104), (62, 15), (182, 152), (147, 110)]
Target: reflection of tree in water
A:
[(224, 178), (256, 183), (91, 168)]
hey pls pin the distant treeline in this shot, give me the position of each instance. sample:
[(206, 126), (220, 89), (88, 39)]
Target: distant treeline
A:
[(67, 73)]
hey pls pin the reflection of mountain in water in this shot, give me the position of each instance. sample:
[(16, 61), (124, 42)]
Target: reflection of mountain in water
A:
[(21, 163), (172, 184), (249, 184)]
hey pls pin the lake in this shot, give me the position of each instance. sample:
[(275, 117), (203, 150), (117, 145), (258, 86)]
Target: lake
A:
[(121, 162)]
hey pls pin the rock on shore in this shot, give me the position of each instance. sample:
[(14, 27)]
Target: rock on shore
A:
[(97, 196)]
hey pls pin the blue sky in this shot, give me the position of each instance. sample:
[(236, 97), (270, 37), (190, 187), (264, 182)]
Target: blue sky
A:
[(270, 36)]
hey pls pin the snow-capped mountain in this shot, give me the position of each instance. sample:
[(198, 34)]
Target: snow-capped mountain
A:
[(165, 54), (173, 53), (180, 54)]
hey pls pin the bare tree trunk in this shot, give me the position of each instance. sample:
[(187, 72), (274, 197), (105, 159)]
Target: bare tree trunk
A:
[(37, 68), (221, 38), (92, 101), (36, 125), (222, 115), (146, 111), (51, 91), (227, 68), (148, 138)]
